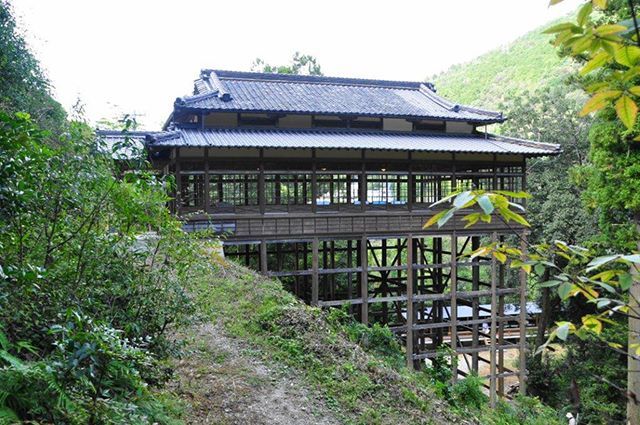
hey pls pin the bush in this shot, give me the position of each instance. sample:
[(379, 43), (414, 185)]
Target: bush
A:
[(93, 271)]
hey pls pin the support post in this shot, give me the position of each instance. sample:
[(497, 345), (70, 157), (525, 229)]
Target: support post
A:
[(363, 184), (263, 257), (364, 280), (454, 304), (410, 312), (314, 273), (207, 200), (178, 183), (261, 186), (522, 373), (494, 307), (475, 303)]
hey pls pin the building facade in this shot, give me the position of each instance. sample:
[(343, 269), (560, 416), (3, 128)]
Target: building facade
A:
[(326, 183)]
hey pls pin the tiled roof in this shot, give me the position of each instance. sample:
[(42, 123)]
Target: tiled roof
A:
[(122, 144), (349, 139), (305, 94)]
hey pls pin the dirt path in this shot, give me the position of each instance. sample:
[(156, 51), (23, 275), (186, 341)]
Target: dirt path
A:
[(224, 382)]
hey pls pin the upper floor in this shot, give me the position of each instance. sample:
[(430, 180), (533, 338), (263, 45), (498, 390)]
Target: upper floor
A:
[(226, 99)]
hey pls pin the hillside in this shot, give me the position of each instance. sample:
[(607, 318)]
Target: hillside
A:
[(257, 354), (525, 64)]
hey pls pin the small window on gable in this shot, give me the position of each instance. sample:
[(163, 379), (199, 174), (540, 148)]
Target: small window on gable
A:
[(428, 125), (257, 120), (329, 121)]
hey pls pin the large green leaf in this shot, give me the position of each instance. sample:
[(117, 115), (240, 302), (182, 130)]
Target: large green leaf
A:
[(627, 55), (560, 27), (486, 204), (627, 111), (583, 13), (565, 290), (595, 62), (599, 261), (599, 101), (562, 331), (463, 199)]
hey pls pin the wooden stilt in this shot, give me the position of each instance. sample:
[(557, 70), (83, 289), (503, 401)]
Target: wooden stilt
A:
[(314, 276), (523, 323), (263, 257), (454, 303), (364, 280), (410, 312), (494, 307)]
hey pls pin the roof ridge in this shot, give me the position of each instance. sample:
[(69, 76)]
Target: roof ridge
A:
[(525, 142), (455, 107), (315, 79)]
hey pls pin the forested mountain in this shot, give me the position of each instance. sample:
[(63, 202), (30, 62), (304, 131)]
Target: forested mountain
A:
[(525, 64), (537, 90)]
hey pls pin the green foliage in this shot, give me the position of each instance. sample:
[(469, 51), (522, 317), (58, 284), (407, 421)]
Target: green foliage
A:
[(550, 115), (23, 85), (525, 65), (93, 270), (300, 64), (613, 160), (574, 379), (359, 371)]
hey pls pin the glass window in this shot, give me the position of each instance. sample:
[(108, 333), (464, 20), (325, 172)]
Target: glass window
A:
[(288, 189), (385, 189), (337, 189), (233, 189), (192, 190)]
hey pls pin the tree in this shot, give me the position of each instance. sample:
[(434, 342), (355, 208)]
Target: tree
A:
[(300, 64), (610, 51), (23, 85)]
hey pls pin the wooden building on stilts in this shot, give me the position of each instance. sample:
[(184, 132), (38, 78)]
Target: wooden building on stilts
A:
[(325, 183)]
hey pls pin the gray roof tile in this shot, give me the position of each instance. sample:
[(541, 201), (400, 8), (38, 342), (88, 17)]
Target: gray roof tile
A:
[(280, 93), (349, 139)]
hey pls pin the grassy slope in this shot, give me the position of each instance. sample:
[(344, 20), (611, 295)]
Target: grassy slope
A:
[(358, 372), (528, 63)]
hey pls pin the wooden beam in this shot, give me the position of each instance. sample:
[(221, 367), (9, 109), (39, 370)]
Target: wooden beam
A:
[(315, 290), (453, 282), (364, 280), (263, 257), (410, 312), (523, 321), (261, 186), (494, 312)]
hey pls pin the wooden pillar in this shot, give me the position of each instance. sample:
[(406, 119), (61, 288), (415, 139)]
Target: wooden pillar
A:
[(207, 200), (411, 195), (494, 307), (349, 265), (314, 181), (475, 304), (263, 257), (501, 272), (410, 312), (261, 185), (384, 276), (522, 373), (314, 273), (178, 183), (453, 281), (364, 280), (363, 184)]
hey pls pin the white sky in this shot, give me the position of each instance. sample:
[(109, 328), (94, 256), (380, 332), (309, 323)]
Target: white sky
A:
[(139, 55)]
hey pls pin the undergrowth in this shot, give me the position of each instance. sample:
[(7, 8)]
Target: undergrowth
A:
[(360, 370)]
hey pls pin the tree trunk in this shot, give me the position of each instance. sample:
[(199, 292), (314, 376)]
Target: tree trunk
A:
[(633, 365), (545, 306)]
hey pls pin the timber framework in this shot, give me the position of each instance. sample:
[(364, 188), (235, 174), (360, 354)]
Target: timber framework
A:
[(326, 183)]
